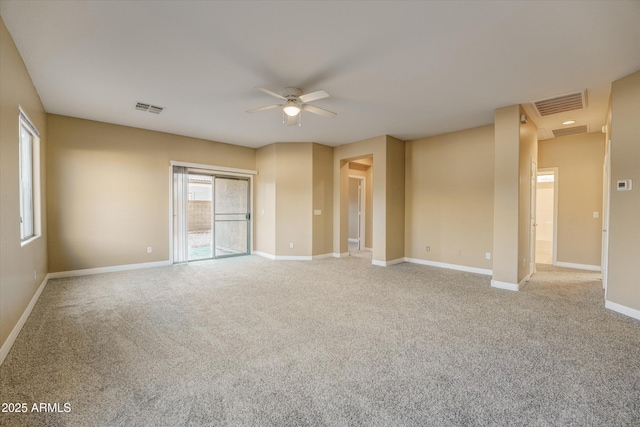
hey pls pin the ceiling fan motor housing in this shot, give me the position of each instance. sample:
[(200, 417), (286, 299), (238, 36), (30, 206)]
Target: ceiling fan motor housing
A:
[(291, 92)]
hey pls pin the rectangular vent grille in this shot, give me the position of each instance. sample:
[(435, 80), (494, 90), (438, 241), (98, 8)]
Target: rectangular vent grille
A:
[(560, 104), (570, 131), (149, 108)]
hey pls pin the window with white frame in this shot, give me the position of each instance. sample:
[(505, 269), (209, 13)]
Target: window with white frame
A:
[(29, 165)]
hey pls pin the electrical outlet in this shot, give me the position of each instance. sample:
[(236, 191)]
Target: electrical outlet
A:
[(487, 255), (149, 249), (428, 248), (596, 214), (459, 252), (35, 275), (291, 245)]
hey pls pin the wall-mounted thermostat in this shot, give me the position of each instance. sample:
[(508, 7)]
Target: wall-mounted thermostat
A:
[(624, 185)]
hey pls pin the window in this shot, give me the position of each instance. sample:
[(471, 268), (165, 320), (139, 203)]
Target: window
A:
[(29, 178)]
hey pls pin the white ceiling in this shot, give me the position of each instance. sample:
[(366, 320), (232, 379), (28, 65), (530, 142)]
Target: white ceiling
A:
[(406, 69)]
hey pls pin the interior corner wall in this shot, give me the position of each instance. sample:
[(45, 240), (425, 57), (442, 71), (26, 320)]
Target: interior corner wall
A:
[(294, 199), (623, 281), (109, 190), (528, 151), (449, 197), (375, 148), (265, 201), (22, 267), (395, 201), (506, 196), (322, 199), (579, 159)]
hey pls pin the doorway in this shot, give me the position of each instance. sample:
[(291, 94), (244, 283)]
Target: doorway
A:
[(211, 215), (357, 205), (547, 216)]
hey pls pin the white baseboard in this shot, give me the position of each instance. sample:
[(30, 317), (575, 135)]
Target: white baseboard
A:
[(323, 256), (505, 285), (111, 269), (578, 266), (293, 258), (6, 347), (354, 240), (450, 266), (627, 311), (340, 255), (524, 281), (368, 249), (264, 255), (387, 263)]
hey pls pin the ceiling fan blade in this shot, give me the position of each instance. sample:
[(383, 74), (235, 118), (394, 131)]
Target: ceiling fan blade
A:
[(292, 120), (270, 92), (313, 96), (268, 107), (318, 110)]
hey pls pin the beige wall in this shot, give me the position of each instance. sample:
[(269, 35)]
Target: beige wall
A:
[(624, 226), (505, 194), (294, 198), (449, 197), (265, 200), (109, 190), (18, 263), (528, 151), (579, 159), (395, 202), (293, 180), (323, 199)]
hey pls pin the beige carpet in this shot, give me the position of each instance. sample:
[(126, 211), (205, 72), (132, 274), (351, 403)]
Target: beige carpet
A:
[(337, 342)]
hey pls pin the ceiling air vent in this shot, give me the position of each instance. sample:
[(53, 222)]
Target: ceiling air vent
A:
[(560, 104), (570, 131), (149, 108)]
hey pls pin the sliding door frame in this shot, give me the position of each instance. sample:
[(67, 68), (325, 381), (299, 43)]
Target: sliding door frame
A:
[(215, 171)]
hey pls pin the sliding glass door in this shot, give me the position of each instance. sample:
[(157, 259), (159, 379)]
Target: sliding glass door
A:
[(231, 216), (211, 215)]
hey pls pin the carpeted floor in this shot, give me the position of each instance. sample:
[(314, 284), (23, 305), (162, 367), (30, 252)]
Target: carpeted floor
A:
[(336, 342)]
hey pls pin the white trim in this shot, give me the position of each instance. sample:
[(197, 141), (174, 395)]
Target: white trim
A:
[(368, 249), (578, 266), (264, 254), (293, 258), (505, 285), (387, 263), (627, 311), (476, 270), (212, 167), (340, 255), (111, 269), (322, 256), (6, 347), (352, 240), (524, 281)]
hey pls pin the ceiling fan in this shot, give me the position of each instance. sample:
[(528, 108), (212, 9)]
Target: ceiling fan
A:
[(294, 102)]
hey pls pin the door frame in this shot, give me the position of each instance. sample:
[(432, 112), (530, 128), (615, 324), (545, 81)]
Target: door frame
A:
[(606, 196), (533, 178), (362, 201), (554, 248), (211, 170)]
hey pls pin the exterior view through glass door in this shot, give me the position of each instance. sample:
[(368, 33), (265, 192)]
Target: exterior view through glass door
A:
[(211, 215), (231, 216)]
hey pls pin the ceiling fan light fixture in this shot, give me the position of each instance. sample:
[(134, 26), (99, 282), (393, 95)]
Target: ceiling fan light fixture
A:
[(291, 108)]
